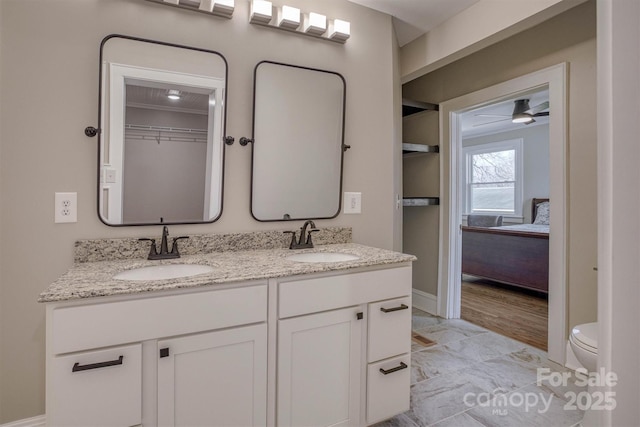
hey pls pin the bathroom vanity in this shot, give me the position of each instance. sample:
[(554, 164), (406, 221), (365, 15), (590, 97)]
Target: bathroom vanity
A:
[(260, 340)]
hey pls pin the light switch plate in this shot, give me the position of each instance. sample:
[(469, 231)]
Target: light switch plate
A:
[(352, 203)]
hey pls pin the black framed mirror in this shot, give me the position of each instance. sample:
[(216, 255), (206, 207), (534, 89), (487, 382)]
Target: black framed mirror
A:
[(298, 142), (161, 139)]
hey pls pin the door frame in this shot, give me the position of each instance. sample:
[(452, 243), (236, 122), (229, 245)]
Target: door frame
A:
[(449, 271)]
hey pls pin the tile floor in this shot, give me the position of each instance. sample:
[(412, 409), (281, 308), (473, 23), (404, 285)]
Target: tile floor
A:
[(472, 377)]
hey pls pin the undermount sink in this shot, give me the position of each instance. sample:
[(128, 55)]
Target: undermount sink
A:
[(163, 272), (322, 257)]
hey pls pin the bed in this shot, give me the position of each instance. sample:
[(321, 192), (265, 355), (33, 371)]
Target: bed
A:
[(517, 255)]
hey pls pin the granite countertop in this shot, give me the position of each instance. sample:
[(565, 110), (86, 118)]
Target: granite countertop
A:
[(95, 279)]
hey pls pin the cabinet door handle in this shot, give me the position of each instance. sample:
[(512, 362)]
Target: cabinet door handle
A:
[(359, 315), (389, 310), (77, 367), (397, 368)]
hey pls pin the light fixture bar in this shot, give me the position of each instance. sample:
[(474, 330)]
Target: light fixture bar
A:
[(288, 18), (221, 8)]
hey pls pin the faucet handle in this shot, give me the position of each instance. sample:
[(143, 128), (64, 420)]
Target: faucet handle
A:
[(174, 246), (313, 230), (152, 250), (293, 238)]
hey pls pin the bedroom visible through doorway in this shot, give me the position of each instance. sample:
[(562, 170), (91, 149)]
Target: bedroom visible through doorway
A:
[(504, 180)]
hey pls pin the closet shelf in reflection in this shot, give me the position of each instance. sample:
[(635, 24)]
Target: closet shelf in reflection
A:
[(166, 129)]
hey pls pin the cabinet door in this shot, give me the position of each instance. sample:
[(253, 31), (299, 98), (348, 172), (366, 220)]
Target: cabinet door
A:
[(214, 379), (319, 363)]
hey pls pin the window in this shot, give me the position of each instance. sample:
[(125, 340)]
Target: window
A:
[(493, 178)]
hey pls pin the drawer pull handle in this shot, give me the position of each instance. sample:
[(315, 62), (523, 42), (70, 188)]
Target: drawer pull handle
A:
[(389, 310), (397, 368), (78, 367)]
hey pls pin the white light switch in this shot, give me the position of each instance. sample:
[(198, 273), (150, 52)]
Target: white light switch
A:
[(352, 203)]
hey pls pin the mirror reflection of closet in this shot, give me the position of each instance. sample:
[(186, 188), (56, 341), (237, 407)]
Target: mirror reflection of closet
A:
[(163, 125), (298, 134)]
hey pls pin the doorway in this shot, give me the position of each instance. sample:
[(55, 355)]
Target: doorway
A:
[(505, 248), (449, 277)]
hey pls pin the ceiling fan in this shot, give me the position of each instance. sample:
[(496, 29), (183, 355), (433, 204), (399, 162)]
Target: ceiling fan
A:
[(522, 113)]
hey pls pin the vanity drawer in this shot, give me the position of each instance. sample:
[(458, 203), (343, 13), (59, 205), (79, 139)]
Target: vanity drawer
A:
[(101, 325), (98, 388), (298, 297), (388, 392), (389, 328)]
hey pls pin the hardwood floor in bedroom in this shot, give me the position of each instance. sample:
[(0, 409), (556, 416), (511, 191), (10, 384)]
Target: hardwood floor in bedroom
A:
[(515, 313)]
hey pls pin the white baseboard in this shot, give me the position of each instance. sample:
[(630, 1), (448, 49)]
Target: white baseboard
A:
[(571, 360), (425, 302), (38, 421)]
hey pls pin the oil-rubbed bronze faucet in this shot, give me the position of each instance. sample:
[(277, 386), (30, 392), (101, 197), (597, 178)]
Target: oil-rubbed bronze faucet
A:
[(164, 247), (302, 243)]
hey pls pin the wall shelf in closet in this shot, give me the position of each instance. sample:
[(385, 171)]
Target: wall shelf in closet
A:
[(410, 107), (409, 149), (420, 201)]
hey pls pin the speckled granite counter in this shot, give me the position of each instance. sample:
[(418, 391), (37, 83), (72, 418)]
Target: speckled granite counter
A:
[(95, 279)]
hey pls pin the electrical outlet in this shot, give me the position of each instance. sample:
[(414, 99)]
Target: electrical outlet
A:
[(352, 203), (66, 207)]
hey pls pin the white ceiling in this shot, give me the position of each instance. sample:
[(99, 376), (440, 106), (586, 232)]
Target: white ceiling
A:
[(412, 18), (476, 123)]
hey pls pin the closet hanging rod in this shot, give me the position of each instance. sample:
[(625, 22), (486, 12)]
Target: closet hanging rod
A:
[(166, 138), (165, 129)]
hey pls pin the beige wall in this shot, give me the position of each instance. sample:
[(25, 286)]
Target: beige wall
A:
[(480, 25), (619, 206), (49, 84), (568, 37)]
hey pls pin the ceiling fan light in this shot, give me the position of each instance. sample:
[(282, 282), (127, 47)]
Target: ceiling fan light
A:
[(174, 94), (521, 118)]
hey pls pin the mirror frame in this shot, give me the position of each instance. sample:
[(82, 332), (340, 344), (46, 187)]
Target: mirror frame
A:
[(343, 146), (100, 128)]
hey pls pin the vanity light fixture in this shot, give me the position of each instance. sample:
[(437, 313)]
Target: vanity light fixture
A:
[(260, 12), (339, 30), (289, 17), (222, 8), (173, 94), (315, 24)]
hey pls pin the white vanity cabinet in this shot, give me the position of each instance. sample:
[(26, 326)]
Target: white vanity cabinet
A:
[(106, 361), (326, 348), (333, 340)]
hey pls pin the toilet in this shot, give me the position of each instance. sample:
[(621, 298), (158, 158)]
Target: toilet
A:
[(584, 343)]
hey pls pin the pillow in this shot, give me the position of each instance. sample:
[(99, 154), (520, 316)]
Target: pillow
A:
[(542, 215)]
